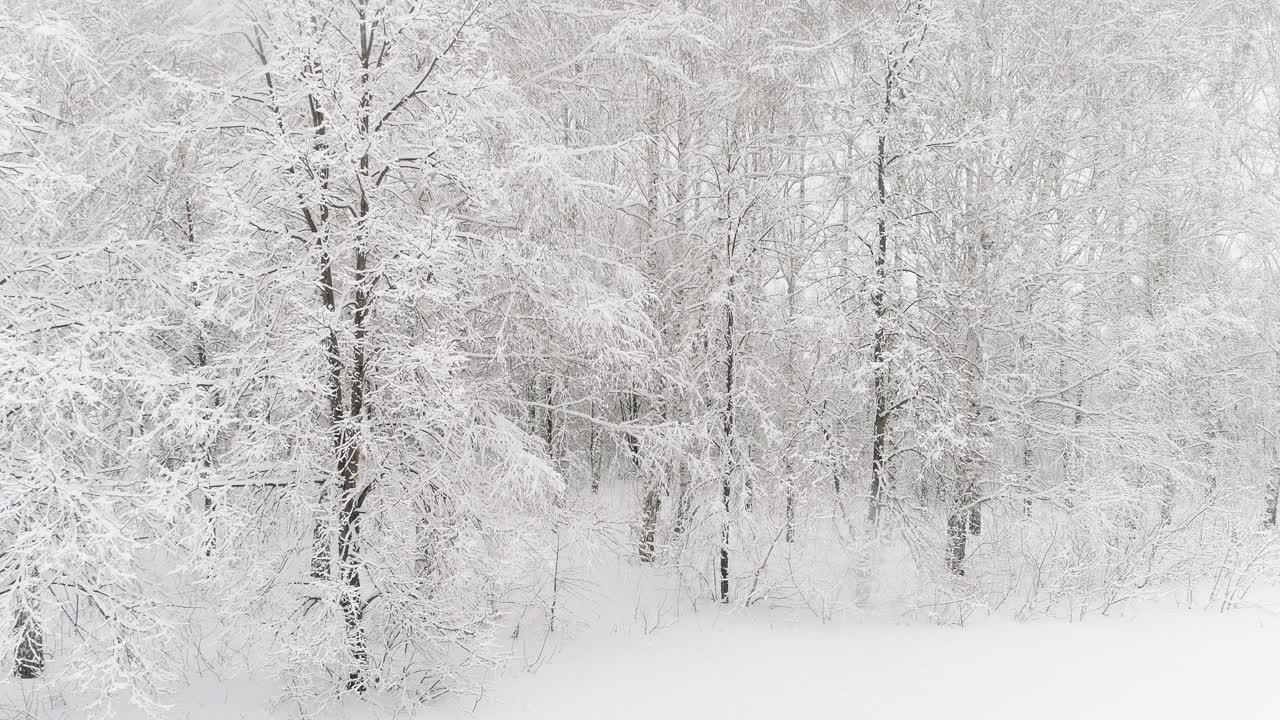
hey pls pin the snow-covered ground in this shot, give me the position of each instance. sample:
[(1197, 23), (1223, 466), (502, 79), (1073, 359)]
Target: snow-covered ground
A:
[(1158, 666), (1184, 665), (634, 646)]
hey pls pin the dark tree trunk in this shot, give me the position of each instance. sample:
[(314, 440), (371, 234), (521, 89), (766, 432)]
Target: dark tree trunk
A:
[(29, 658), (879, 345), (593, 451), (1168, 495), (353, 494), (350, 601), (211, 539), (957, 542), (1273, 498), (630, 414), (965, 517), (650, 504), (964, 511), (318, 224), (649, 522), (549, 428), (831, 448), (726, 485), (724, 555), (1028, 470), (791, 511), (684, 501)]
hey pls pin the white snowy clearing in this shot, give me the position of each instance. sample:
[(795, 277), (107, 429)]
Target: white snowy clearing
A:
[(1166, 666), (1174, 664)]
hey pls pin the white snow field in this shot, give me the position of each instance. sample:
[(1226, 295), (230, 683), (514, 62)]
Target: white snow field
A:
[(1160, 665), (1169, 666), (1184, 665)]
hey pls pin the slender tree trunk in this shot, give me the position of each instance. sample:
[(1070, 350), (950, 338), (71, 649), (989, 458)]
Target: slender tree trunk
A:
[(594, 462), (649, 522), (788, 466), (201, 360), (318, 224), (789, 488), (684, 492), (555, 445), (630, 414), (965, 517), (1272, 499), (726, 483), (879, 348), (828, 439), (964, 503), (684, 499), (1168, 495), (1272, 492), (552, 424), (651, 503), (961, 520), (1028, 469), (957, 542), (29, 657), (790, 534), (654, 489), (1028, 474), (353, 494)]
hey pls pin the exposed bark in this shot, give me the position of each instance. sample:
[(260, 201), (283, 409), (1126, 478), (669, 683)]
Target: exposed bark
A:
[(684, 500), (649, 522), (726, 482), (552, 422), (594, 456), (1272, 498), (790, 533), (630, 414), (651, 504), (318, 224), (828, 439), (1028, 475), (1028, 469), (651, 487), (680, 232), (353, 494), (965, 517), (957, 542), (879, 346), (29, 657), (789, 488)]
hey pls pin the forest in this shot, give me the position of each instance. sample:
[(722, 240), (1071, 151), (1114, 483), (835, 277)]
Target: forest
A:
[(351, 343)]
